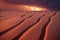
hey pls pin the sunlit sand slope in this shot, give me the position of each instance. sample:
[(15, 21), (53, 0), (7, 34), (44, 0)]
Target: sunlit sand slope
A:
[(42, 25)]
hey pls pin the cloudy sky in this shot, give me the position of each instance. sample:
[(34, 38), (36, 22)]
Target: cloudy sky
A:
[(52, 4)]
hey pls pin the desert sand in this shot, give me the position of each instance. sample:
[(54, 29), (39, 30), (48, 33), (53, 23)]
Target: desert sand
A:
[(33, 25)]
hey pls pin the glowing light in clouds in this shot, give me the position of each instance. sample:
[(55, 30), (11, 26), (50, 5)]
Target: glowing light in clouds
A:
[(33, 8)]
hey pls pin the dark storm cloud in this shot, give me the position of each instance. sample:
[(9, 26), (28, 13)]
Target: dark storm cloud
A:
[(52, 4)]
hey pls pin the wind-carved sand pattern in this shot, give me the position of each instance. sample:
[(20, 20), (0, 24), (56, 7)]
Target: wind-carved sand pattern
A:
[(34, 25)]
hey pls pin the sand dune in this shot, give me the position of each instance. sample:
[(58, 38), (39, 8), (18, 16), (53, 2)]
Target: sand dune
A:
[(41, 25)]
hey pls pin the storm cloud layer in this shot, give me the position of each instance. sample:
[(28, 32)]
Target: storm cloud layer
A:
[(52, 4)]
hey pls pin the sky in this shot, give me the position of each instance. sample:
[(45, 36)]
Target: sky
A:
[(51, 4)]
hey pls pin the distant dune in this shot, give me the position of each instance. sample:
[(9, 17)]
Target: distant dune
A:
[(38, 25)]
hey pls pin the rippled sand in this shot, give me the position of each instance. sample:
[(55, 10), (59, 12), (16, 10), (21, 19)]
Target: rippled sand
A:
[(42, 25)]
